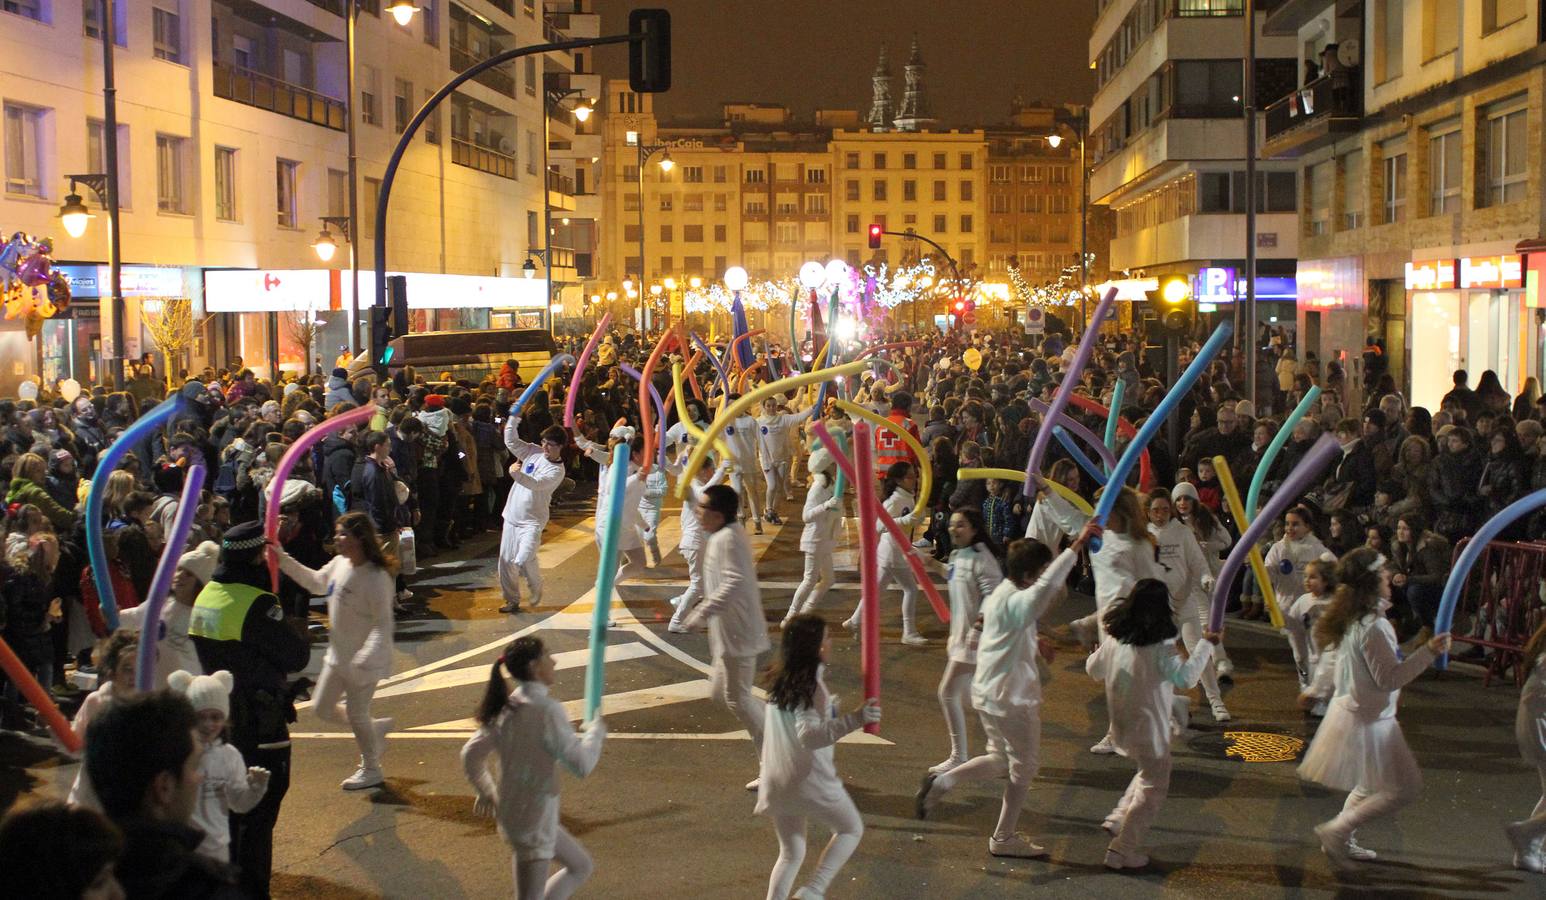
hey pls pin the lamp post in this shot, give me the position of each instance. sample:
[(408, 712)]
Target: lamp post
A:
[(1080, 125), (554, 98), (666, 164), (325, 245)]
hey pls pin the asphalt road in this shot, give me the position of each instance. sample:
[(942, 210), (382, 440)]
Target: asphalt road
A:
[(665, 813)]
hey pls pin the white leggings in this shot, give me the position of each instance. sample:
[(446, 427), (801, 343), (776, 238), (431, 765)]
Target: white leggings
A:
[(1364, 805), (954, 688), (900, 575), (1535, 826), (531, 877), (746, 487), (842, 818), (1140, 804), (775, 482), (1301, 642), (1193, 620), (694, 592), (819, 578), (1014, 749), (356, 690), (731, 684)]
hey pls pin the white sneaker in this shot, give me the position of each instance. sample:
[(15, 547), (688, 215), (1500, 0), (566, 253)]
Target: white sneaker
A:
[(1361, 854), (1526, 855), (363, 779), (1104, 747), (754, 784), (1333, 845), (806, 893), (946, 766), (1319, 709), (1224, 668), (852, 625), (1112, 825), (677, 600), (676, 627), (1016, 847), (915, 640), (1084, 632), (403, 596), (1220, 713), (1116, 859)]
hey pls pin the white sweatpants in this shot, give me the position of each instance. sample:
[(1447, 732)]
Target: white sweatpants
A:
[(746, 488), (1193, 620), (819, 578), (1299, 641), (694, 592), (775, 483), (842, 818), (1535, 826), (1014, 749), (518, 545), (1140, 804), (900, 575), (731, 685), (356, 689), (531, 877)]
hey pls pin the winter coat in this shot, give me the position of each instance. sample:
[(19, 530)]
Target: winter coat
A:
[(24, 490), (1457, 506)]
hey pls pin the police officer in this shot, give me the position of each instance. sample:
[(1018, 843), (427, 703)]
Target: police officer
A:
[(238, 625)]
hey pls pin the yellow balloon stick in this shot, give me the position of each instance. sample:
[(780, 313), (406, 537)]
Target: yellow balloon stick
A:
[(685, 417), (748, 401), (1237, 509), (1015, 475), (925, 467)]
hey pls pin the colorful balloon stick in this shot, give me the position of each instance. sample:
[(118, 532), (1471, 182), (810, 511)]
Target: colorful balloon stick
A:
[(606, 574), (1017, 476), (1081, 359), (925, 467), (296, 452), (579, 369), (554, 364), (161, 582), (1258, 565), (869, 570), (1278, 440)]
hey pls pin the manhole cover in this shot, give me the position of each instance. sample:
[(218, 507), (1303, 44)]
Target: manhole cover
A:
[(1250, 746)]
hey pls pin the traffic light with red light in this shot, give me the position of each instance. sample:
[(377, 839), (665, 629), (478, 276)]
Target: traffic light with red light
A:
[(876, 230)]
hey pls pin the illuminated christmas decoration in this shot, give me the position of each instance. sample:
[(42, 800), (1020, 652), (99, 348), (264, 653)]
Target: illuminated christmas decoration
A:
[(905, 285)]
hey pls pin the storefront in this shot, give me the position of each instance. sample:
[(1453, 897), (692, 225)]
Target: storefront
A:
[(1469, 312), (71, 343), (297, 320), (1332, 304)]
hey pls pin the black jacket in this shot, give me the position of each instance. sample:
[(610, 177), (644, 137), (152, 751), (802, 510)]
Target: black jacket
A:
[(160, 860), (372, 491), (1356, 468), (269, 650)]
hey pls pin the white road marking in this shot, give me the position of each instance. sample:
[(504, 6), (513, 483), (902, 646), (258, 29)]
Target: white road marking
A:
[(856, 737), (611, 704), (568, 659)]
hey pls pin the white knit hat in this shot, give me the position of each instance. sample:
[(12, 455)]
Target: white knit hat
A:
[(1184, 489), (200, 561), (204, 691), (820, 460)]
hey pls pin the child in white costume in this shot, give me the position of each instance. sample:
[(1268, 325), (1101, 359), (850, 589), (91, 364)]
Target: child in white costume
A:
[(1215, 541), (798, 780), (530, 733), (1359, 747), (823, 517), (974, 573), (1054, 518), (773, 430), (630, 541), (1126, 557), (1300, 617), (115, 657), (1530, 730), (1190, 582), (691, 541), (229, 785), (741, 437), (897, 499), (1141, 667), (1006, 690), (1289, 555)]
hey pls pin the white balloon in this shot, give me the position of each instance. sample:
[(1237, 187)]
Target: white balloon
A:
[(69, 389)]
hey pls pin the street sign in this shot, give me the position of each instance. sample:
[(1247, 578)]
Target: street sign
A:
[(1035, 320)]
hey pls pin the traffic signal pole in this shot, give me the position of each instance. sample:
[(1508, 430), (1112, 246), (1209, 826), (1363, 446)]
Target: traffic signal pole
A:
[(955, 271)]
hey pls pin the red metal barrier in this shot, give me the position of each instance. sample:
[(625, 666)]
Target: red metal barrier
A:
[(1503, 605)]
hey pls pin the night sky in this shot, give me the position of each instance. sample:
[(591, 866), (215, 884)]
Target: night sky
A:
[(809, 55)]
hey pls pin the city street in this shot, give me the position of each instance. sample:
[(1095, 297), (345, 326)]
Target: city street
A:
[(665, 813)]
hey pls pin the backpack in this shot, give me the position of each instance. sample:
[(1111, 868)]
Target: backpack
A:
[(225, 479)]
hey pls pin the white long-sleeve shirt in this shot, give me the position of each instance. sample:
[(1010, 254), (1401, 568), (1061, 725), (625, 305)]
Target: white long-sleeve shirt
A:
[(1052, 517), (1140, 682), (773, 436), (1365, 674), (1286, 561), (532, 737), (174, 649), (633, 496), (823, 515), (899, 505), (535, 479), (1120, 563), (1182, 566), (692, 529), (732, 601), (1530, 721), (1006, 675), (974, 573), (798, 775), (226, 789), (359, 611)]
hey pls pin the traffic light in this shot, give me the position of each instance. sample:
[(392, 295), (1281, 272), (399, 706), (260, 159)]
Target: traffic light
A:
[(380, 335), (1173, 304), (876, 230), (397, 297), (649, 56)]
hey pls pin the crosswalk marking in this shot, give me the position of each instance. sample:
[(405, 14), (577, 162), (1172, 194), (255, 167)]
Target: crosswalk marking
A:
[(451, 678), (856, 737)]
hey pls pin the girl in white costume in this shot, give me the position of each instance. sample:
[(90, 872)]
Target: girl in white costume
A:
[(630, 542), (1530, 730), (531, 734), (1006, 690), (974, 573), (897, 499), (1359, 747), (1190, 582), (1299, 619), (741, 437), (1053, 518), (1141, 667), (798, 780), (359, 584), (773, 430), (1125, 557), (1215, 541), (691, 542), (1286, 561), (823, 517)]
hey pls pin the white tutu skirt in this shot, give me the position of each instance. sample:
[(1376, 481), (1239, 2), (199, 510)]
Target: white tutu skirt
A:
[(1347, 754)]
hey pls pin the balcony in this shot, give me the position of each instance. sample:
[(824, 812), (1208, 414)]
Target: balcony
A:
[(494, 79), (560, 191), (241, 85), (1314, 116), (466, 153)]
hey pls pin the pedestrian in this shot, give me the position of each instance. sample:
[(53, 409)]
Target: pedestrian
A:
[(229, 785), (115, 660), (530, 733), (1185, 573), (174, 649), (823, 519), (1006, 690), (1530, 731), (1141, 667), (897, 498), (1359, 747), (690, 543), (974, 573), (732, 609), (1299, 618), (630, 540), (741, 437), (536, 473), (358, 584), (29, 609), (1286, 559), (798, 780)]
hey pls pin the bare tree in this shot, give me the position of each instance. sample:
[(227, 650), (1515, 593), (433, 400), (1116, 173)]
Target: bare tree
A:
[(303, 328), (170, 323)]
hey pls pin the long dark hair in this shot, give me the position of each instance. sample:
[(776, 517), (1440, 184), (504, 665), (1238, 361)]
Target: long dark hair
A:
[(363, 529), (1143, 617), (792, 679), (973, 517), (893, 479), (517, 659), (1357, 595)]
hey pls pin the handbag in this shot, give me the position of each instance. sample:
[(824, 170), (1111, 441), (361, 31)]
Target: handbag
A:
[(407, 557)]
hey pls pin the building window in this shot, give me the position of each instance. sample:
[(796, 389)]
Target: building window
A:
[(853, 189), (879, 160), (36, 10), (1395, 187), (1505, 140), (1353, 190), (1500, 13), (225, 184), (1030, 203), (286, 201), (631, 233), (1321, 176), (719, 174), (23, 160), (721, 202), (430, 13), (879, 190), (667, 264), (531, 76), (853, 224), (92, 19), (337, 192), (1058, 203), (1444, 172), (719, 233), (966, 162), (909, 190), (909, 160), (941, 224), (665, 203), (787, 233), (533, 151), (851, 160), (167, 31), (998, 174), (692, 174), (96, 153), (1441, 27), (816, 176), (692, 203), (966, 224), (756, 176), (431, 122), (966, 189), (402, 105), (756, 207), (939, 160), (665, 234), (815, 204), (172, 194), (939, 191), (1388, 38), (370, 95), (998, 203), (692, 265)]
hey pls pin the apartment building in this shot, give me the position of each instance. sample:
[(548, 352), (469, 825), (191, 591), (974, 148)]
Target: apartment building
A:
[(231, 135), (1416, 125), (1034, 194)]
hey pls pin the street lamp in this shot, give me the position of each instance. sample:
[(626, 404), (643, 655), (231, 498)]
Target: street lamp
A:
[(402, 11), (325, 245), (529, 269), (666, 164), (555, 98), (73, 214), (1080, 125)]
